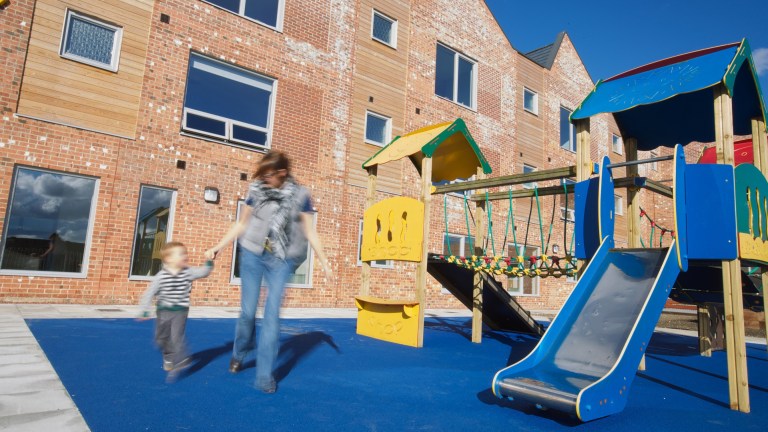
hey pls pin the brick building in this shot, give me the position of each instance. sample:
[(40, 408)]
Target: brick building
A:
[(129, 123)]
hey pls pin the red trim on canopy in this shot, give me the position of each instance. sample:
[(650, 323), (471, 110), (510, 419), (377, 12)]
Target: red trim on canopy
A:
[(671, 60), (742, 153)]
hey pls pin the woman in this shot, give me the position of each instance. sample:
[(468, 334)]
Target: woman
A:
[(272, 233)]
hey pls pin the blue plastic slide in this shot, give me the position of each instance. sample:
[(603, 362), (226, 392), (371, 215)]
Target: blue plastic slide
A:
[(585, 362)]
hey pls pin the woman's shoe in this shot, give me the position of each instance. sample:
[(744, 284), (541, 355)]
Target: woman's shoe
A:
[(235, 366)]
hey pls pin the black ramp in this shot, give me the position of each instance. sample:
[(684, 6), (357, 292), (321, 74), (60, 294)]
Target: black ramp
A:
[(500, 310)]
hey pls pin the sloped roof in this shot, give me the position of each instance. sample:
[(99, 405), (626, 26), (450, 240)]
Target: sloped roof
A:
[(453, 150), (545, 56), (671, 101)]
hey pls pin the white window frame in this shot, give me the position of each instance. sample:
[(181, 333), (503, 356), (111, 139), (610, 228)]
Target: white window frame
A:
[(569, 215), (229, 123), (515, 285), (116, 42), (241, 12), (456, 56), (618, 204), (529, 185), (535, 108), (388, 264), (88, 237), (654, 165), (169, 237), (571, 130), (617, 144), (393, 31), (238, 281), (387, 131)]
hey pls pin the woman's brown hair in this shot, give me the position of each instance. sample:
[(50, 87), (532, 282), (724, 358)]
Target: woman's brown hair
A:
[(273, 160)]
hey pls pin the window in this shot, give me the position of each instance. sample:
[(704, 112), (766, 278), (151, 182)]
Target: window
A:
[(530, 101), (377, 129), (524, 285), (654, 165), (49, 223), (267, 12), (154, 220), (300, 278), (567, 211), (567, 132), (455, 77), (228, 103), (384, 29), (616, 144), (460, 245), (529, 169), (91, 41), (375, 264), (618, 204)]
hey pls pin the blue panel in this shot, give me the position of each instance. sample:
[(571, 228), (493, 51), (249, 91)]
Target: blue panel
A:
[(711, 209), (606, 200), (586, 229), (678, 189)]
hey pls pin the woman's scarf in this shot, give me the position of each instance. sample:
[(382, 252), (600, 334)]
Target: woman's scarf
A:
[(279, 224)]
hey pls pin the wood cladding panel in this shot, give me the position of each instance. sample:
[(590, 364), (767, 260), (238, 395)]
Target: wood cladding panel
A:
[(66, 91)]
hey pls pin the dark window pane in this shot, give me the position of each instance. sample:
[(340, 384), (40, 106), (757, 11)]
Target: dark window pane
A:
[(215, 127), (151, 230), (466, 82), (375, 129), (89, 40), (565, 130), (230, 5), (48, 222), (263, 10), (444, 72), (228, 92), (382, 28), (249, 135)]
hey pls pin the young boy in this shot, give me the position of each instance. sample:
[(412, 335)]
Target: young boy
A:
[(171, 286)]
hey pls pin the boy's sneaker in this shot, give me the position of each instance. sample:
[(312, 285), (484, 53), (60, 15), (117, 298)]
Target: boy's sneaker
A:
[(173, 374), (167, 365)]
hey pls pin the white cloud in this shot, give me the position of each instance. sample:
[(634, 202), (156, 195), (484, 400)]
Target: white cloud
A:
[(760, 56)]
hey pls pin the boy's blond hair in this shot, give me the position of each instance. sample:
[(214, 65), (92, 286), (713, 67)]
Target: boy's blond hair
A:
[(166, 249)]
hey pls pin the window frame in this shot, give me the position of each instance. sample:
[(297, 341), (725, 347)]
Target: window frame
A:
[(310, 258), (617, 144), (618, 205), (535, 109), (566, 214), (169, 236), (456, 57), (229, 124), (279, 20), (529, 185), (88, 236), (389, 264), (393, 29), (117, 41), (514, 282), (387, 131), (654, 154), (571, 131)]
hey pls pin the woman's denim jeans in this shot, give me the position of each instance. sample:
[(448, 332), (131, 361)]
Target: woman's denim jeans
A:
[(254, 268)]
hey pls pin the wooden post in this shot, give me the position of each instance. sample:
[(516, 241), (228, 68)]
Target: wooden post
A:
[(370, 199), (477, 281), (760, 147), (633, 207), (583, 150), (421, 271), (738, 383)]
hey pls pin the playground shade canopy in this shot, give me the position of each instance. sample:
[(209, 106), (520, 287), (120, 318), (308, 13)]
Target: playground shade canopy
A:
[(454, 152), (671, 101)]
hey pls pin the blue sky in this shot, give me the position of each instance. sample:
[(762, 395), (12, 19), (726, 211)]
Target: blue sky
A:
[(614, 36)]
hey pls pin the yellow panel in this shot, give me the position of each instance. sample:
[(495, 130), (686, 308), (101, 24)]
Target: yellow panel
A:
[(751, 248), (393, 230), (394, 321)]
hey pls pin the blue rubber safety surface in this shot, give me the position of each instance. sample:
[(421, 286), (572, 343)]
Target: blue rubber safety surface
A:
[(331, 379)]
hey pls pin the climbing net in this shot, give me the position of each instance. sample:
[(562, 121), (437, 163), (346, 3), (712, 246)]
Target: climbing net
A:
[(655, 226), (541, 265)]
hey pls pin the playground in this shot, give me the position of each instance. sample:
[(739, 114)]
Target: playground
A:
[(600, 361)]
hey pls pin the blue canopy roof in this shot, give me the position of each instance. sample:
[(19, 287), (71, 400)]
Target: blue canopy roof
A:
[(671, 101)]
